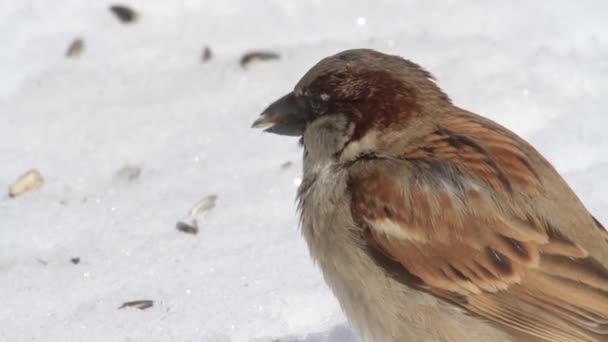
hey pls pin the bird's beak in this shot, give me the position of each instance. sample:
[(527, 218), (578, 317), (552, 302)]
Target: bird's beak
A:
[(282, 117)]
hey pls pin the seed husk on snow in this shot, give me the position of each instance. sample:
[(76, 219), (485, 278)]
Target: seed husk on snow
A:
[(129, 173), (207, 203), (29, 181), (124, 13), (187, 226), (190, 223), (249, 57), (286, 165), (75, 49), (138, 304), (206, 55)]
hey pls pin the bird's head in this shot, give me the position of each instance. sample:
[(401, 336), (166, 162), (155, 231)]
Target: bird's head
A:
[(347, 100)]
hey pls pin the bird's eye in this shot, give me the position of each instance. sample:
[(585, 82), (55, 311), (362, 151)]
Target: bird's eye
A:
[(315, 102)]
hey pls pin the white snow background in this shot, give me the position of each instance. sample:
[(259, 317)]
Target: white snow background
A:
[(139, 95)]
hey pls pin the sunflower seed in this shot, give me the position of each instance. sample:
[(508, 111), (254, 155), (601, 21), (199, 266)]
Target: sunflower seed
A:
[(125, 14), (138, 304), (76, 48), (257, 55), (29, 181)]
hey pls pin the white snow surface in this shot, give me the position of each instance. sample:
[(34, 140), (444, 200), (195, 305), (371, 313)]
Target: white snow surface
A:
[(139, 95)]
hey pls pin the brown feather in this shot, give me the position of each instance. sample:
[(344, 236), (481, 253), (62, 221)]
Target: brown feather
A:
[(501, 261)]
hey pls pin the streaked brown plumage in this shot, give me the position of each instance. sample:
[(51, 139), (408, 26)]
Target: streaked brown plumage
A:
[(431, 223)]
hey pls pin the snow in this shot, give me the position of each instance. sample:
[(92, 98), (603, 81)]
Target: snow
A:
[(140, 96)]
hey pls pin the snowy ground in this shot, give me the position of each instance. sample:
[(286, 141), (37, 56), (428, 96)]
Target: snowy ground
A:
[(139, 95)]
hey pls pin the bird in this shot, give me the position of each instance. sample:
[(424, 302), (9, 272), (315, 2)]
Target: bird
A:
[(431, 223)]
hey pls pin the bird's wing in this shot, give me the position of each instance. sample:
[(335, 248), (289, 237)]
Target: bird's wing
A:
[(459, 213)]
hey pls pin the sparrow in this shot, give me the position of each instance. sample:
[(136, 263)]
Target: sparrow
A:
[(434, 224)]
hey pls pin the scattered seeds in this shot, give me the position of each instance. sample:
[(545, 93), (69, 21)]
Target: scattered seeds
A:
[(189, 227), (76, 48), (138, 304), (203, 205), (125, 14), (31, 180), (286, 165), (75, 261), (206, 55), (190, 223), (257, 55), (129, 172)]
